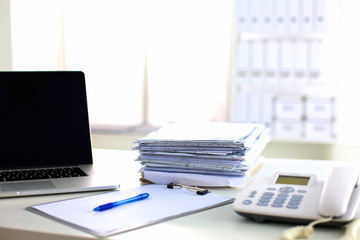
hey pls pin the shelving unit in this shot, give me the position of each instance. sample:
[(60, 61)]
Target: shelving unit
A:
[(278, 77)]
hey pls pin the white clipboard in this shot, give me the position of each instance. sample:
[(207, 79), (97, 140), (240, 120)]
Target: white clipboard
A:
[(161, 205)]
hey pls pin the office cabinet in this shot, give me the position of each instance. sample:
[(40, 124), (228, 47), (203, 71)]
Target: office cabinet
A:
[(320, 129), (288, 129), (278, 68), (320, 108), (288, 107)]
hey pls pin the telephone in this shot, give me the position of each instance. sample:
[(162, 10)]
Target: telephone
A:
[(301, 198)]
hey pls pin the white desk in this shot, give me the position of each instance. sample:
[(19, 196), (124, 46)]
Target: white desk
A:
[(219, 223)]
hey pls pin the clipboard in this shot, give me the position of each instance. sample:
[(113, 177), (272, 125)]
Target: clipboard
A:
[(163, 204)]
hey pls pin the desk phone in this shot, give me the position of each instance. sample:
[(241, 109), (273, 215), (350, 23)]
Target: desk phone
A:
[(301, 198)]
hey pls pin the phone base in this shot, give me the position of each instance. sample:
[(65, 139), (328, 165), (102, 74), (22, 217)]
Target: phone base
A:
[(266, 218)]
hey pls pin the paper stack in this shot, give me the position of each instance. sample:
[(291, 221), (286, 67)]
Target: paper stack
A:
[(202, 154)]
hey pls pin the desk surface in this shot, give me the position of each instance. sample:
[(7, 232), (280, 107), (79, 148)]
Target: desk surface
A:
[(218, 223)]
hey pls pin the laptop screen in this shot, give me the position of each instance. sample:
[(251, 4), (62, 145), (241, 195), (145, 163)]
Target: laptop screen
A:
[(43, 119)]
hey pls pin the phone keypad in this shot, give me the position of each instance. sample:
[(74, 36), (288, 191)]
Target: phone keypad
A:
[(265, 199), (285, 196), (295, 201), (287, 189)]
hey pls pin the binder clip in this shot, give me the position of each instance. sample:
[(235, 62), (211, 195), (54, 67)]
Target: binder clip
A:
[(199, 191)]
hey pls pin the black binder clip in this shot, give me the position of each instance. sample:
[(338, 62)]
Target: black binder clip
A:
[(199, 191)]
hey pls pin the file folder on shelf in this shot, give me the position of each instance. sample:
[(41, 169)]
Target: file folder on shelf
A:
[(242, 13), (256, 15), (287, 63), (293, 16), (243, 61), (300, 62), (257, 62), (320, 15), (307, 18), (268, 15), (280, 12), (272, 63)]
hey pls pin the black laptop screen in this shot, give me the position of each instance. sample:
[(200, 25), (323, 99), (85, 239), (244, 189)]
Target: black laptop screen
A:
[(44, 119)]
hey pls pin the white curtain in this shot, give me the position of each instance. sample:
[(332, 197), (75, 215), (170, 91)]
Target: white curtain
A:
[(345, 69), (185, 43)]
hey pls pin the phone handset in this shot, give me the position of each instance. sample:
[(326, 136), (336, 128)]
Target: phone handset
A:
[(334, 201), (337, 191)]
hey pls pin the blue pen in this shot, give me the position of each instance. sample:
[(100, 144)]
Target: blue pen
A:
[(121, 202)]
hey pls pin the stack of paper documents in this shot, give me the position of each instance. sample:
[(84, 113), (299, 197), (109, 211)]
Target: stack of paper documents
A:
[(202, 154)]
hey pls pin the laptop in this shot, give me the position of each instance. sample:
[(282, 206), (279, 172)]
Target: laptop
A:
[(45, 143)]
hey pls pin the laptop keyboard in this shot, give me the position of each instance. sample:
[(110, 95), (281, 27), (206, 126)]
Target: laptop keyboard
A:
[(19, 175)]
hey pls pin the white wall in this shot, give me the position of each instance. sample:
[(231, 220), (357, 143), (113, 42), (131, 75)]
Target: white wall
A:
[(5, 35), (123, 141)]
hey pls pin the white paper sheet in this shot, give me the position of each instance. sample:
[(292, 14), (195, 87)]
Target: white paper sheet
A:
[(195, 179), (161, 205), (211, 133)]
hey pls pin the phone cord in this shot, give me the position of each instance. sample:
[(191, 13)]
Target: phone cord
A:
[(351, 231)]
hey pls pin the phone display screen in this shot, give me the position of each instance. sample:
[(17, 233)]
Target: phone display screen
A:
[(295, 180)]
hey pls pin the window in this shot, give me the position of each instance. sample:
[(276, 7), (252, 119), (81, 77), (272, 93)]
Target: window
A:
[(146, 62), (153, 61)]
